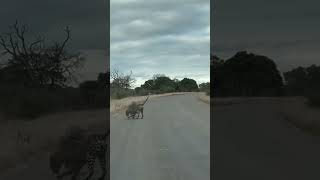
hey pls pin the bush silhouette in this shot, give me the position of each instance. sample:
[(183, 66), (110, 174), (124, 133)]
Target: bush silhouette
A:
[(188, 85), (246, 74)]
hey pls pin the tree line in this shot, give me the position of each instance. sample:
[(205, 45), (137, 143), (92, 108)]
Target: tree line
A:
[(248, 74), (121, 85)]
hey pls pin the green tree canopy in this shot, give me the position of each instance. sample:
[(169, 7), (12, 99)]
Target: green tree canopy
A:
[(303, 80), (164, 84), (148, 85), (188, 85)]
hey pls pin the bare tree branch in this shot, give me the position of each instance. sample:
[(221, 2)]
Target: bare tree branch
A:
[(43, 64)]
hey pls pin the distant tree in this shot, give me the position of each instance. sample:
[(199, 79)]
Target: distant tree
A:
[(204, 86), (313, 78), (164, 84), (120, 85), (104, 80), (156, 76), (39, 65), (296, 81), (148, 85), (303, 80), (176, 85), (120, 80), (246, 74), (216, 67), (188, 85)]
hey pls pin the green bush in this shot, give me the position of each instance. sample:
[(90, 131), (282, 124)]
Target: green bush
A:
[(188, 85)]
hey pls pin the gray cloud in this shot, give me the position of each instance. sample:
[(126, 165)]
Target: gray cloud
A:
[(283, 30), (166, 37)]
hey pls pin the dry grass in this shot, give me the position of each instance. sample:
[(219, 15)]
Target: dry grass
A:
[(119, 105), (202, 96), (295, 110), (44, 133), (299, 114)]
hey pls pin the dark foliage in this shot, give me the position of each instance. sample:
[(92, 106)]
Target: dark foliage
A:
[(18, 101), (304, 81), (246, 74), (188, 85), (205, 87), (163, 84)]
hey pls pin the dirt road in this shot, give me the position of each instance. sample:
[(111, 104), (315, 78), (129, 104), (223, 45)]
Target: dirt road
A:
[(172, 142)]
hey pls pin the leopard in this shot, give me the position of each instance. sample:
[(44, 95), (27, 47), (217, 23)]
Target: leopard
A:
[(75, 153), (135, 109)]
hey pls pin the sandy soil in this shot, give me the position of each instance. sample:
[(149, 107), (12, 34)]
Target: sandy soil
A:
[(203, 97)]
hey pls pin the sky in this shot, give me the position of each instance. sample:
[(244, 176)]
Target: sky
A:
[(88, 22), (168, 37), (286, 31)]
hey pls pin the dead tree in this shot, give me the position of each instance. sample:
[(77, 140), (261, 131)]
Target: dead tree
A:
[(119, 80), (41, 64)]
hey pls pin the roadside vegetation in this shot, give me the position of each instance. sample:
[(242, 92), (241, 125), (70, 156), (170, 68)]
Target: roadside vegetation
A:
[(121, 85), (304, 81), (250, 75)]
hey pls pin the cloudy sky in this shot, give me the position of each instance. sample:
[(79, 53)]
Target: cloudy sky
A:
[(286, 31), (161, 37), (88, 21)]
